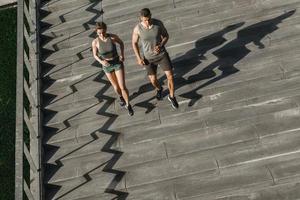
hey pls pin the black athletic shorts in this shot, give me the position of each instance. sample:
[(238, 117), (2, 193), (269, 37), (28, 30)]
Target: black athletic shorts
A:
[(164, 63)]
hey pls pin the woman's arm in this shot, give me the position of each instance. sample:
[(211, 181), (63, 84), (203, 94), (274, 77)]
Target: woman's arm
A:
[(116, 39)]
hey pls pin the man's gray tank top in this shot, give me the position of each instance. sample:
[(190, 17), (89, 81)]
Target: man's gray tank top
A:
[(150, 38), (107, 49)]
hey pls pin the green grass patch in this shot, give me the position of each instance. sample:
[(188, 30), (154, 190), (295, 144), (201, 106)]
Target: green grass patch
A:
[(8, 40)]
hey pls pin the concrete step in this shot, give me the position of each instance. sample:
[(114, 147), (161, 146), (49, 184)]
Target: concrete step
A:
[(82, 113), (209, 138), (103, 197), (179, 59), (166, 16), (75, 134), (274, 92), (197, 23), (241, 97), (198, 185), (261, 153), (235, 135), (82, 51), (83, 93), (196, 162), (84, 44), (276, 192), (229, 115), (204, 117), (177, 54), (271, 71), (104, 113), (253, 178), (80, 39), (77, 67), (233, 90), (55, 6), (83, 186), (110, 10), (257, 106), (73, 25), (70, 13), (77, 147), (268, 192), (200, 139), (125, 7), (275, 48), (65, 170), (130, 68)]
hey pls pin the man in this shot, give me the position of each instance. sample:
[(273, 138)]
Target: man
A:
[(154, 36)]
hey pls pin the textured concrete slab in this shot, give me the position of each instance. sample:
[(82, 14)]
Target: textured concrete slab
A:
[(235, 135), (77, 147), (230, 180), (278, 192)]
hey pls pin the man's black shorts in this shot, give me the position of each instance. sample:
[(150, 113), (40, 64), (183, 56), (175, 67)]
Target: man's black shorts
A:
[(164, 63)]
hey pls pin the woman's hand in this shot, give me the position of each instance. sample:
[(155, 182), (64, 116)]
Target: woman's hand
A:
[(104, 63), (121, 58)]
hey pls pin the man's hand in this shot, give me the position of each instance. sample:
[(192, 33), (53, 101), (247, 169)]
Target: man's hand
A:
[(157, 49), (141, 61)]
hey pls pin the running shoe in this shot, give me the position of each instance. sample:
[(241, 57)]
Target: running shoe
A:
[(173, 102)]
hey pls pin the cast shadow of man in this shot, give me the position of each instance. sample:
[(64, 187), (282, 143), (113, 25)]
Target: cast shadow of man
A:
[(185, 63), (227, 56), (230, 54)]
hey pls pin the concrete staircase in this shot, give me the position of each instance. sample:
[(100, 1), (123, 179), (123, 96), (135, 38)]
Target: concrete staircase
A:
[(236, 135)]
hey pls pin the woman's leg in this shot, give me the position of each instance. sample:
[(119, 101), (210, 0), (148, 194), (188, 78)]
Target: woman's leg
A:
[(113, 80), (120, 76), (121, 81)]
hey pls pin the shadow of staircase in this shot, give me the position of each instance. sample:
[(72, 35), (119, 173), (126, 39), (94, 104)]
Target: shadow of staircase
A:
[(51, 169)]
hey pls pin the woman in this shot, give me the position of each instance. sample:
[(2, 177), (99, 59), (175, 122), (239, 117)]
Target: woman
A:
[(105, 52)]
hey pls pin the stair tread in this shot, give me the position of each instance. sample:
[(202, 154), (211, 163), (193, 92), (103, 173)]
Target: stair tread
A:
[(235, 134)]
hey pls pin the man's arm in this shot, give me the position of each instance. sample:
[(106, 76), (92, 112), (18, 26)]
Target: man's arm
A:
[(135, 46), (164, 38)]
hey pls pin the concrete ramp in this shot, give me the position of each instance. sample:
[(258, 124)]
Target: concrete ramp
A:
[(236, 134)]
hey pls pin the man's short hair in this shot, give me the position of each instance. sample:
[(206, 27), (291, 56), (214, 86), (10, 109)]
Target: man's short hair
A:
[(145, 12)]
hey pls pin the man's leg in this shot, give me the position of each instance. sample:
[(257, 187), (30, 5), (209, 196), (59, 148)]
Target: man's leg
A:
[(159, 89), (166, 65), (152, 75), (169, 75), (154, 81)]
